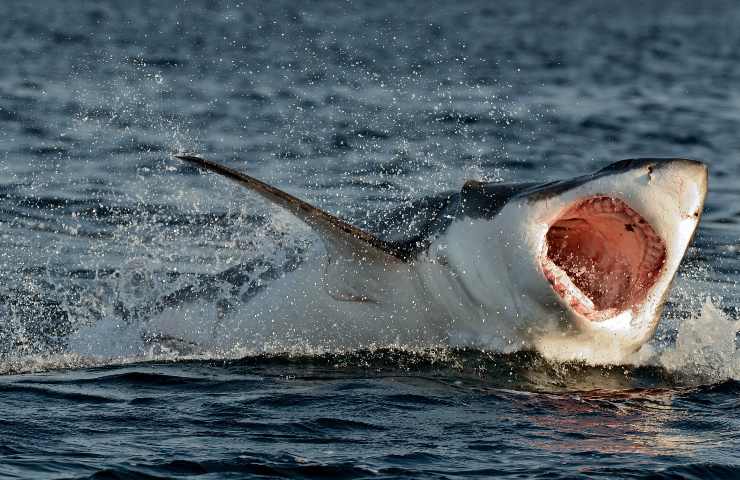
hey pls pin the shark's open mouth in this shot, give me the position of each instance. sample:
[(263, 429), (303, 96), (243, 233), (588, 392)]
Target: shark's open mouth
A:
[(602, 257)]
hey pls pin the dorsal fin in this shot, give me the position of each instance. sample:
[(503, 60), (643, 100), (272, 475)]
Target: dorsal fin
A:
[(486, 199), (473, 185), (351, 249)]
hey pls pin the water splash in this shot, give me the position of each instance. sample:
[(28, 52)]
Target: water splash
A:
[(705, 346), (703, 352)]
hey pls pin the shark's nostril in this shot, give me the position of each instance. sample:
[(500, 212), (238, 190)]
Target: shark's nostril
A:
[(605, 254)]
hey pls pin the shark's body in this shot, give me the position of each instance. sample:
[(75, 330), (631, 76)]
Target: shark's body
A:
[(504, 266)]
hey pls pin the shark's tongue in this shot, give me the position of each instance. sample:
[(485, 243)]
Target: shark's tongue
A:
[(603, 250)]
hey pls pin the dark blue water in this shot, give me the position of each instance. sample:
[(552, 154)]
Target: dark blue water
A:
[(358, 107)]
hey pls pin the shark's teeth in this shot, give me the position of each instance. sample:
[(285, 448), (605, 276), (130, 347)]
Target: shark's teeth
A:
[(562, 284), (592, 277)]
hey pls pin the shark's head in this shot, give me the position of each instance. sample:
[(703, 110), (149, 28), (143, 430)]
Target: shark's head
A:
[(604, 248)]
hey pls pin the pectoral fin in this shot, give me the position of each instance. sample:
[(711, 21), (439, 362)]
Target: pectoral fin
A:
[(356, 259)]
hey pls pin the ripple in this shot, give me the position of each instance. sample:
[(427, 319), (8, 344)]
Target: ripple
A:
[(53, 394)]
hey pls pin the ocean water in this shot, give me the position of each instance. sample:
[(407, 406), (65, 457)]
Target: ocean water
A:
[(357, 107)]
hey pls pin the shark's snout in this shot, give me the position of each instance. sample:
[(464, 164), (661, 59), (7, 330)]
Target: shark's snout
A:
[(690, 181)]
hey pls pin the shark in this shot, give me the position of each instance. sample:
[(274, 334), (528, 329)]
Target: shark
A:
[(586, 261)]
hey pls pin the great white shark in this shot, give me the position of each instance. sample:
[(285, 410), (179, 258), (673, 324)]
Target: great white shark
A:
[(587, 260)]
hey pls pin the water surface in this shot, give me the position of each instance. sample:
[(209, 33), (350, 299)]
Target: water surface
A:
[(357, 107)]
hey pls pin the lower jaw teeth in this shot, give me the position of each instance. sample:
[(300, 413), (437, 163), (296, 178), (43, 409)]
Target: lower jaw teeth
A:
[(570, 288)]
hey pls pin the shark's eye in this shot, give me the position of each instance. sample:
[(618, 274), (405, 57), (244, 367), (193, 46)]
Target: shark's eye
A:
[(602, 257)]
